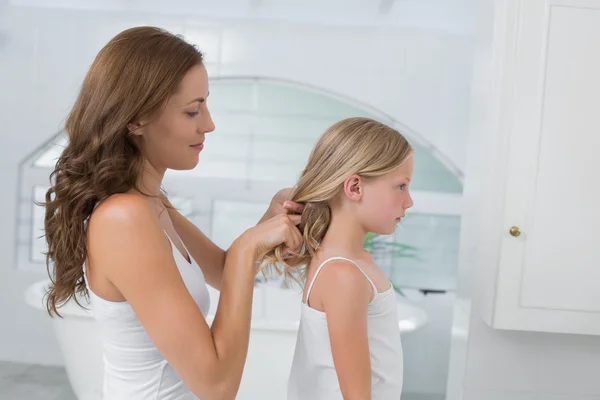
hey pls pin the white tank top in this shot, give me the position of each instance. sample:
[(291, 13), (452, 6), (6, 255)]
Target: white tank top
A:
[(134, 369), (313, 375)]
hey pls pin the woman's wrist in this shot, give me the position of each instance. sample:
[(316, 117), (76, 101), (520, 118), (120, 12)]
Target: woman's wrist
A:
[(244, 246)]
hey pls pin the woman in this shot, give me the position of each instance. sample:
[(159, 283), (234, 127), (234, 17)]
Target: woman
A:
[(142, 109)]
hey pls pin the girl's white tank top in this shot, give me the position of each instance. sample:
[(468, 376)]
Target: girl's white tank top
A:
[(134, 369), (313, 375)]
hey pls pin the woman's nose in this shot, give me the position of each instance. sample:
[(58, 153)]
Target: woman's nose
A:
[(206, 124)]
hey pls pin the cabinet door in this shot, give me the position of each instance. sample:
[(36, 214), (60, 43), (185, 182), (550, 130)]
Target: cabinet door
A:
[(549, 270)]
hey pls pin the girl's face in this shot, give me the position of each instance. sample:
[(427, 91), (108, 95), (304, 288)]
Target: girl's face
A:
[(385, 199)]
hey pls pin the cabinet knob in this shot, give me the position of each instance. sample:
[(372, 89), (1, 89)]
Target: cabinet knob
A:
[(515, 231)]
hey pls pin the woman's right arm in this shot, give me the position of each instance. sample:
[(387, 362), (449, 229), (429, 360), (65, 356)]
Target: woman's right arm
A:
[(126, 242)]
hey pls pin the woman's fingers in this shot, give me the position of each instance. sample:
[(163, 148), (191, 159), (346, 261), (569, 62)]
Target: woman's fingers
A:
[(295, 219), (296, 237), (293, 206)]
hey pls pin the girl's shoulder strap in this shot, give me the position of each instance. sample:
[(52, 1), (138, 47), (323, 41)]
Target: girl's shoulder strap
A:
[(334, 259)]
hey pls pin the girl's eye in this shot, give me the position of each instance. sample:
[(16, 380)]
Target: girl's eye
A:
[(192, 113), (402, 186)]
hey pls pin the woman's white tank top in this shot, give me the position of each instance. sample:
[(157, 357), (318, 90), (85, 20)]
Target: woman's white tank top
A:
[(134, 369), (313, 375)]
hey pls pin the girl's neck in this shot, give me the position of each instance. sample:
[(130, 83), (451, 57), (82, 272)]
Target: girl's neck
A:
[(344, 236)]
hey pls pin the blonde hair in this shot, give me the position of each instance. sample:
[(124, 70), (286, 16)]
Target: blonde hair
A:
[(352, 146)]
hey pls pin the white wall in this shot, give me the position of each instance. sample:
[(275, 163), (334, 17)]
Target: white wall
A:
[(489, 364), (419, 77)]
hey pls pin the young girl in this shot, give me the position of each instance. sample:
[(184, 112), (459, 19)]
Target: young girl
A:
[(348, 345)]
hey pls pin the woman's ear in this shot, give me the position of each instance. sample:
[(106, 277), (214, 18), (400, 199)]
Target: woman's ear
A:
[(353, 187), (134, 128)]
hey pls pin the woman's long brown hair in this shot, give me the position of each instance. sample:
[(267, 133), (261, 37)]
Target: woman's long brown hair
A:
[(133, 76)]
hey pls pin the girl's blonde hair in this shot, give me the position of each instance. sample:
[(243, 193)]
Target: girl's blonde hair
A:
[(352, 146)]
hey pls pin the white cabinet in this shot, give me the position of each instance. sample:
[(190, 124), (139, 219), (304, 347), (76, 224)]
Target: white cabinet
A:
[(540, 167)]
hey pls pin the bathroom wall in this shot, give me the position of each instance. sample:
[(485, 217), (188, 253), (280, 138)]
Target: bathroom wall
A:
[(418, 76)]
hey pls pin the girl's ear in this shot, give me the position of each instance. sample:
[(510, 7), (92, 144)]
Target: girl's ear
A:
[(353, 187)]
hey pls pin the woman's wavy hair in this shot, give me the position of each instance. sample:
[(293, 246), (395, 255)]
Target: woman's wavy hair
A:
[(133, 76), (359, 146)]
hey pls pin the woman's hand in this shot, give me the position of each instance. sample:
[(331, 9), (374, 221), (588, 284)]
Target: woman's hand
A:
[(280, 204), (269, 234)]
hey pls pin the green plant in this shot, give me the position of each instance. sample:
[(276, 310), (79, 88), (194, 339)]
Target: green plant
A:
[(378, 245)]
